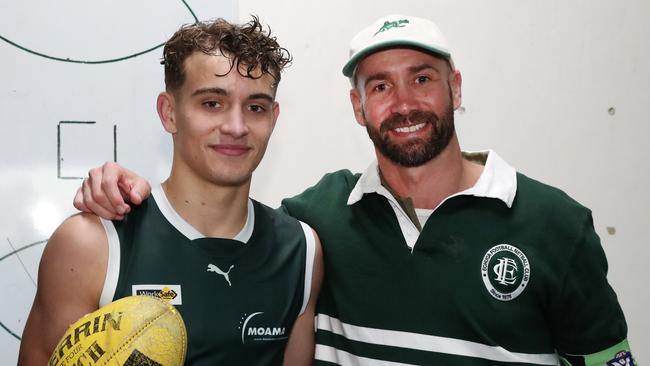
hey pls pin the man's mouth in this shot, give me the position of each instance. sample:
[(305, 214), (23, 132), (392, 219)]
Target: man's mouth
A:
[(412, 122), (231, 149), (408, 129)]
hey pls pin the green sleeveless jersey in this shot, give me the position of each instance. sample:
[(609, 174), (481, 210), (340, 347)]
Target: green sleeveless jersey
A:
[(484, 284), (239, 297)]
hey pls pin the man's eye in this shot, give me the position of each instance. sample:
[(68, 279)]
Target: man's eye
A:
[(422, 79), (211, 104), (256, 108), (380, 87)]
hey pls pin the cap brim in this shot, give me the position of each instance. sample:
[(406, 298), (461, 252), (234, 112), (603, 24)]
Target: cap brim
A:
[(349, 67)]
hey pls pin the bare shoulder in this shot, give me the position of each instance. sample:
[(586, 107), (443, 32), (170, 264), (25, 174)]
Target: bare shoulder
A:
[(79, 229), (77, 252), (70, 281), (79, 243)]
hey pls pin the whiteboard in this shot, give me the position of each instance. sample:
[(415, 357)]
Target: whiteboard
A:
[(77, 88), (557, 88)]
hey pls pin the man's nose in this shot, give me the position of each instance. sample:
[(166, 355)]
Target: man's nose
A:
[(235, 124), (404, 100)]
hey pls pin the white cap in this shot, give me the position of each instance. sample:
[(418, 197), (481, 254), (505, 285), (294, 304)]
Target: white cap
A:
[(394, 31)]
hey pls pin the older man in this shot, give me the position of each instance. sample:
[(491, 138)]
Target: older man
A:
[(434, 256)]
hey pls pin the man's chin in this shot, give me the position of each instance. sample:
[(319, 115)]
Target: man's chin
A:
[(231, 179), (408, 160)]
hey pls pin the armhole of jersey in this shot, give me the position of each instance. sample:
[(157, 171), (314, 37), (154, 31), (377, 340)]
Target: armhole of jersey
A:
[(113, 266), (310, 252)]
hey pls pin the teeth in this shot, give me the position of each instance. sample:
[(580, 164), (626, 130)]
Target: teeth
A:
[(410, 128)]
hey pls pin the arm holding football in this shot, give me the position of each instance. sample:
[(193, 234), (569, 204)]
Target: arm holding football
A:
[(70, 280)]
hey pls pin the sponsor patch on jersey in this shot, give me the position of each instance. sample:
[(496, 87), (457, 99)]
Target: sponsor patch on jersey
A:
[(506, 271), (256, 327), (623, 358), (170, 293)]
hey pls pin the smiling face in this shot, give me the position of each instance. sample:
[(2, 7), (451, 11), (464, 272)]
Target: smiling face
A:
[(220, 121), (406, 99)]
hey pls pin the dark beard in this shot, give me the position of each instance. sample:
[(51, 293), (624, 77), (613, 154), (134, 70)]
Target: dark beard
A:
[(416, 151)]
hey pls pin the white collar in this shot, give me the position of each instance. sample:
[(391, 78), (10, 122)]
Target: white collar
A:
[(188, 230), (498, 180)]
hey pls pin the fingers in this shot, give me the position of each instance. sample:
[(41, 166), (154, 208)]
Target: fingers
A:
[(140, 188), (91, 202), (109, 190), (130, 193), (78, 201)]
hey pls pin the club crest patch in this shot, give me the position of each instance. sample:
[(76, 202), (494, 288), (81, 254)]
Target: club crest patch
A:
[(505, 271)]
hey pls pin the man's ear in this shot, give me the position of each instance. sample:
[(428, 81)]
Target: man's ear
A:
[(276, 112), (357, 106), (165, 108), (456, 83)]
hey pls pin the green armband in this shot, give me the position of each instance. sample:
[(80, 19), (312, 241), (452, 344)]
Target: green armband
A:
[(618, 355)]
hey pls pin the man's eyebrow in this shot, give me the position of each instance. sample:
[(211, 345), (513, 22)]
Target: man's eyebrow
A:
[(412, 69), (219, 91), (418, 68), (224, 92), (377, 76), (264, 96)]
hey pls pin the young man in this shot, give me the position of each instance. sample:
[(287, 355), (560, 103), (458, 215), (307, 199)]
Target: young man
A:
[(452, 258), (244, 277)]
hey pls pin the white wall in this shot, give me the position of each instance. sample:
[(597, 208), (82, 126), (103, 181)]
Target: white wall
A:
[(539, 81), (37, 93)]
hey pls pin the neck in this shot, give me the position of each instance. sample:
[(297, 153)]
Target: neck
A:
[(213, 210), (429, 184)]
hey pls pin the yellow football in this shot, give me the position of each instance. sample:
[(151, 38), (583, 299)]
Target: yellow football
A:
[(135, 330)]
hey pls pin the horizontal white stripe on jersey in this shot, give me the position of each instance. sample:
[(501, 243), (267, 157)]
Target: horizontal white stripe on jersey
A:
[(425, 342), (337, 356)]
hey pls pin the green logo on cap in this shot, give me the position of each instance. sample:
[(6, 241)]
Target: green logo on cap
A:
[(390, 25)]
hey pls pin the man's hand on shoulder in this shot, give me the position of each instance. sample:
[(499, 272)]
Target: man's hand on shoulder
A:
[(108, 190)]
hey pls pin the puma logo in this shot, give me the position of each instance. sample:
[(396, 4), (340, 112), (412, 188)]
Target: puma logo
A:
[(213, 268)]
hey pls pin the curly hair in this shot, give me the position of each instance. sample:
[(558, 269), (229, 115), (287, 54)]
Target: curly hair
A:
[(248, 46)]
